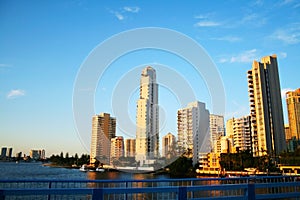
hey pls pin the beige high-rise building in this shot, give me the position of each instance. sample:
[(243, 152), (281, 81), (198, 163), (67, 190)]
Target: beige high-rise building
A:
[(239, 129), (116, 149), (266, 108), (147, 123), (293, 108), (103, 130), (129, 147), (193, 130), (216, 126), (169, 145)]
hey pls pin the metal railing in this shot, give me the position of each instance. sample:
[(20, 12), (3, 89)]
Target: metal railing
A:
[(287, 187)]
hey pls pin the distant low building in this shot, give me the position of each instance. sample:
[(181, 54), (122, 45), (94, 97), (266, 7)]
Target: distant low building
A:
[(34, 154), (169, 146)]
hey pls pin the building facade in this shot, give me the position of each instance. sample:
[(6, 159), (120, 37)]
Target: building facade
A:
[(217, 129), (129, 148), (240, 131), (266, 108), (293, 108), (147, 118), (103, 130), (169, 146), (116, 149), (193, 130)]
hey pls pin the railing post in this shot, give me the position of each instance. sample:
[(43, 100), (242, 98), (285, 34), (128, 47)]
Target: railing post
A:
[(251, 191), (97, 194), (2, 197), (182, 193)]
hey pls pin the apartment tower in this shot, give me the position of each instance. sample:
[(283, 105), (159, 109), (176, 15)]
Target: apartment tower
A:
[(266, 108), (116, 149), (169, 146), (216, 126), (193, 130), (129, 147), (147, 123), (103, 130), (240, 131), (293, 107)]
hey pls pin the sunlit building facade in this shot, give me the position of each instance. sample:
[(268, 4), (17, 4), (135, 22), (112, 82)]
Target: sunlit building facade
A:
[(193, 130), (116, 149), (216, 126), (103, 130), (169, 145), (147, 118), (129, 147), (239, 129), (266, 108), (293, 108)]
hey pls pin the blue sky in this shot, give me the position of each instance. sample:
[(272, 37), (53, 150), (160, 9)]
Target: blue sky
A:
[(43, 45)]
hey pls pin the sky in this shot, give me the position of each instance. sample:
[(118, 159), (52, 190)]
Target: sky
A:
[(44, 44)]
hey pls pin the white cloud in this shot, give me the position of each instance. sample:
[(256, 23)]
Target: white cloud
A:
[(284, 91), (119, 16), (244, 57), (132, 9), (15, 93), (282, 54), (207, 24), (288, 35), (228, 38)]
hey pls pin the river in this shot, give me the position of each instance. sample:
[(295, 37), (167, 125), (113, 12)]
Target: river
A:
[(23, 170)]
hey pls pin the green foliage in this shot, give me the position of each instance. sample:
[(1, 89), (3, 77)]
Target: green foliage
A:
[(290, 158), (69, 161), (182, 167), (244, 159)]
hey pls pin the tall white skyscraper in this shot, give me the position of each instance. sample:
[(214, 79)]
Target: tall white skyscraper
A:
[(147, 124), (193, 129)]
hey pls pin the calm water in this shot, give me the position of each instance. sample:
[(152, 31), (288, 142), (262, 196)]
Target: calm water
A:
[(11, 170)]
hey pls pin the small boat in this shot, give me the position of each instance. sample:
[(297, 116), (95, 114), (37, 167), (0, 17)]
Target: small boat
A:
[(100, 169), (84, 168)]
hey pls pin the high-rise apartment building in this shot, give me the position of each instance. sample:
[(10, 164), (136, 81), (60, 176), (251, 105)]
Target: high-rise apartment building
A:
[(193, 129), (216, 126), (129, 148), (293, 108), (147, 123), (266, 108), (3, 152), (103, 130), (169, 146), (116, 149), (239, 129)]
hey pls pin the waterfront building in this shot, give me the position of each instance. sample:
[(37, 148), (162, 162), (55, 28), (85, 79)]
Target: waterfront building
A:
[(116, 149), (193, 130), (266, 108), (9, 153), (216, 126), (293, 108), (34, 154), (129, 148), (169, 146), (239, 129), (103, 130), (147, 118), (209, 163), (3, 152)]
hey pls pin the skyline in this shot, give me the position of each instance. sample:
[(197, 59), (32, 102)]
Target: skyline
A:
[(45, 43)]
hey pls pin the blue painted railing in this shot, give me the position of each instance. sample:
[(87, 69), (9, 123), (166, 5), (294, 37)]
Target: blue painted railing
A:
[(196, 188)]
